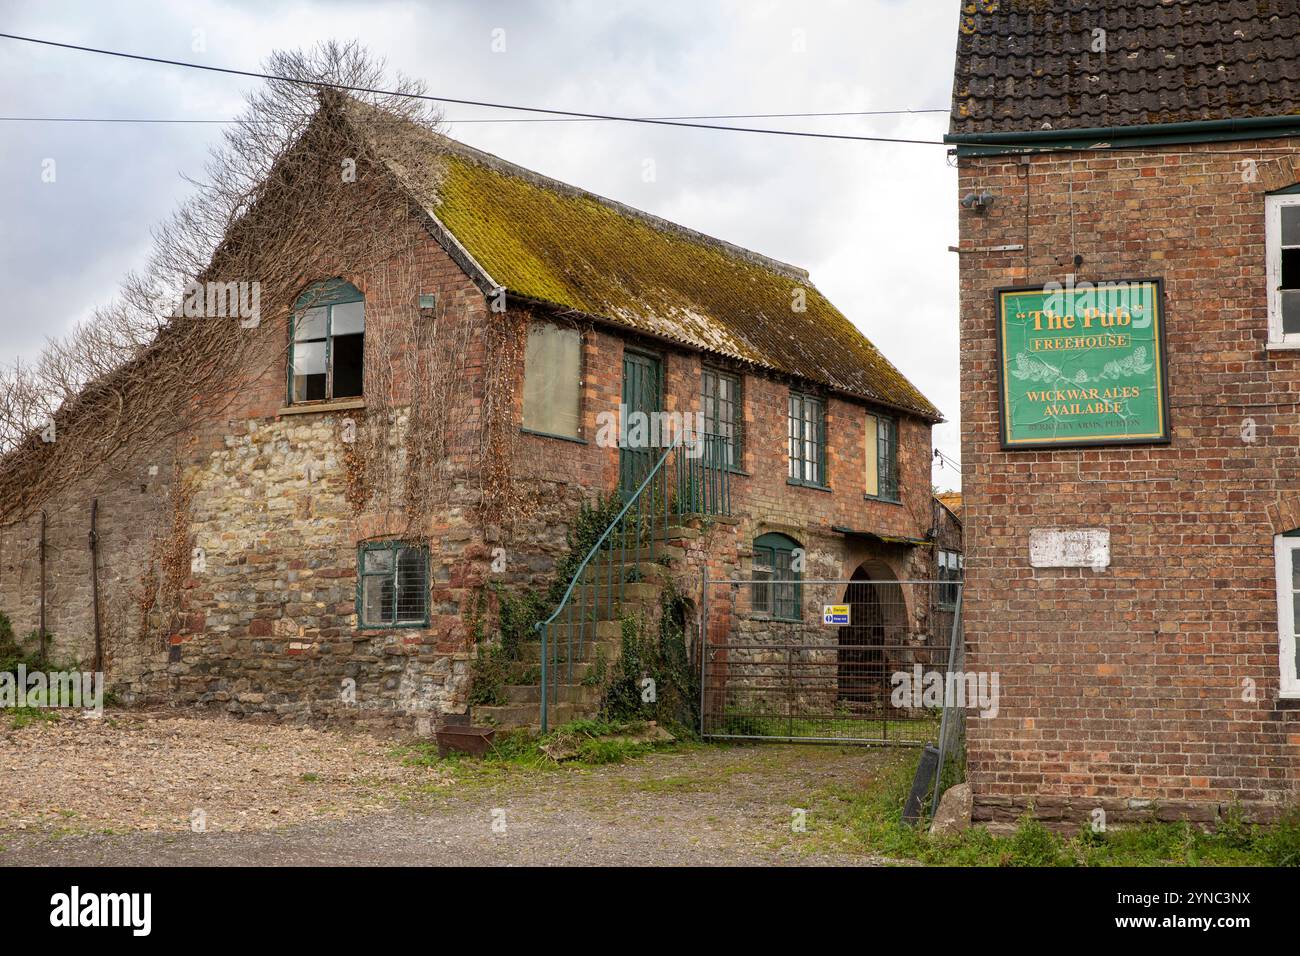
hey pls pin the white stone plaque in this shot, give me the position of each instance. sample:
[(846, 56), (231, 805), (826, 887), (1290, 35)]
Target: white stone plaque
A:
[(1069, 548)]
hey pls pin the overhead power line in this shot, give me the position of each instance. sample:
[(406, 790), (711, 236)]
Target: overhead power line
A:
[(509, 119), (466, 102)]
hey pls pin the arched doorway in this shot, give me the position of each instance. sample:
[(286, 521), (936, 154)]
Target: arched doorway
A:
[(869, 645)]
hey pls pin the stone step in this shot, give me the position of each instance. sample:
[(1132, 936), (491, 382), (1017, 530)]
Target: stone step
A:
[(644, 553), (627, 591), (565, 693), (531, 653), (630, 572), (511, 716), (530, 672), (602, 629)]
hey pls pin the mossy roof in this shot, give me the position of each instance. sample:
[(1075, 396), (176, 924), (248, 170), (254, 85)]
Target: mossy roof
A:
[(545, 240)]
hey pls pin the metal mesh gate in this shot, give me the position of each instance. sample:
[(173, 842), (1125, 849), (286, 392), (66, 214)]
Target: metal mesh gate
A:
[(844, 661)]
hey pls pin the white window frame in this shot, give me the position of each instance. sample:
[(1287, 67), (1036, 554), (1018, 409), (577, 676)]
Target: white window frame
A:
[(1273, 206), (1284, 553)]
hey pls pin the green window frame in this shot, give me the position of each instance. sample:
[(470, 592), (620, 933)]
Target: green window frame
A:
[(327, 343), (722, 404), (777, 589), (392, 585), (885, 484), (807, 440)]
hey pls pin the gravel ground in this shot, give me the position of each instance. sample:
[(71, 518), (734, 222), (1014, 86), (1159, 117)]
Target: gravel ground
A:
[(121, 791)]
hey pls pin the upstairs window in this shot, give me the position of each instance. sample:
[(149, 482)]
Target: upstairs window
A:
[(882, 457), (951, 567), (721, 405), (393, 585), (807, 435), (327, 345), (777, 591), (1282, 234), (1286, 551), (553, 380)]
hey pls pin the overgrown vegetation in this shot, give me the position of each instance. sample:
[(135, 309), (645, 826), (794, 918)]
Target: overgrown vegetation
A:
[(579, 743), (655, 654), (867, 819), (13, 652), (520, 610)]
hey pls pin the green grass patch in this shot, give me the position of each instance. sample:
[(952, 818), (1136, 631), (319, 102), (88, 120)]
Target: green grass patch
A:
[(20, 717), (580, 744), (867, 819), (836, 728)]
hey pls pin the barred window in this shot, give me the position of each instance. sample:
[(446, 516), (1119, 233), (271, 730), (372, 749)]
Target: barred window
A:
[(807, 436), (721, 404), (882, 457), (777, 590), (393, 585)]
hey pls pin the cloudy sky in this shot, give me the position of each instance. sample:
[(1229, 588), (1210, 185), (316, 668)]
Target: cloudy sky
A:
[(871, 221)]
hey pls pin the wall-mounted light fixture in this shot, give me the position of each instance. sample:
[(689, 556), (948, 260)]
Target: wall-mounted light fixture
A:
[(977, 201)]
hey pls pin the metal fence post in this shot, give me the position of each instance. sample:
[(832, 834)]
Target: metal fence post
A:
[(943, 721)]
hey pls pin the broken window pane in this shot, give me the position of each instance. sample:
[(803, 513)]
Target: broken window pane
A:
[(331, 332), (1291, 268), (347, 355)]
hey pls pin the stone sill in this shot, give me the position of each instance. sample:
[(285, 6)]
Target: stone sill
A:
[(810, 487), (320, 408), (1282, 346)]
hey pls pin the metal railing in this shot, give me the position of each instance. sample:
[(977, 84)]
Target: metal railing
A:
[(690, 478), (864, 679)]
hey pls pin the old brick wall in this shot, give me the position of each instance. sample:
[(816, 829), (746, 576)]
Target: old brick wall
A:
[(1127, 685), (271, 622), (561, 473)]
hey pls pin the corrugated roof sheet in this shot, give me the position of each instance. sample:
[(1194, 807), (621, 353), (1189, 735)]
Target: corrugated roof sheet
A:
[(1031, 64), (546, 240)]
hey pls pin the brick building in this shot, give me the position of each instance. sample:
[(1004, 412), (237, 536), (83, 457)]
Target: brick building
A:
[(553, 309), (1130, 509)]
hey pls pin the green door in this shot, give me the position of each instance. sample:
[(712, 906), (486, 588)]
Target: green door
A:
[(642, 395)]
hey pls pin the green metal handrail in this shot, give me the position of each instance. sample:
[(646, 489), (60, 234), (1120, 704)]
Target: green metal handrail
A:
[(703, 486)]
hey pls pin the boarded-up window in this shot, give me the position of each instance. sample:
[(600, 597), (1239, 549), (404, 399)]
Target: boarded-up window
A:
[(553, 379)]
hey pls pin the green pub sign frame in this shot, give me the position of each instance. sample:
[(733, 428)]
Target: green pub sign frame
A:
[(1082, 365)]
